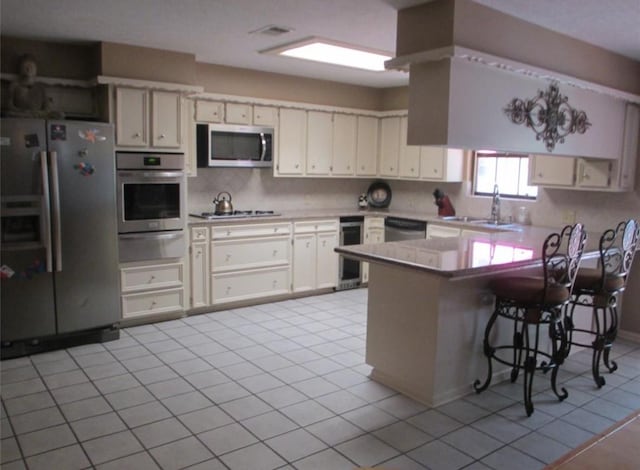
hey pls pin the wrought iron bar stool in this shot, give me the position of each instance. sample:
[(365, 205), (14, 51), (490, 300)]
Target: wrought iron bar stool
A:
[(535, 300), (599, 288)]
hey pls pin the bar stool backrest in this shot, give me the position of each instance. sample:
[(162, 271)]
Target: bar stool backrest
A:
[(561, 256), (617, 249)]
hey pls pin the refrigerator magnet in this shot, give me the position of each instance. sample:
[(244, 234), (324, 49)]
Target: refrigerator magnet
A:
[(84, 168), (58, 132), (31, 140), (91, 135), (6, 272)]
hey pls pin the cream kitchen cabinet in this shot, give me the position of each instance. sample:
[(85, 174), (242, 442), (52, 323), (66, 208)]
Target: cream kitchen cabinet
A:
[(151, 289), (265, 116), (315, 263), (408, 156), (593, 173), (209, 111), (441, 164), (367, 146), (292, 143), (250, 261), (373, 233), (237, 113), (200, 268), (441, 231), (345, 129), (551, 170), (319, 146), (148, 118), (389, 146)]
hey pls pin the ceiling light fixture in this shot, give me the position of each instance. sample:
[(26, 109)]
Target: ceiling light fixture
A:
[(333, 52)]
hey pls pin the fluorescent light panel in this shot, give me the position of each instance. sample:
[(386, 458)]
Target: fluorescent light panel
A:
[(324, 51)]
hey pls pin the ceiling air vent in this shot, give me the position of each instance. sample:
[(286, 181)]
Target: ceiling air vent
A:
[(272, 30)]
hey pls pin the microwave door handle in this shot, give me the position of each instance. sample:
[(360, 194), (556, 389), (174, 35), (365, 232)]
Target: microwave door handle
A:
[(46, 211), (263, 140), (152, 174), (57, 229)]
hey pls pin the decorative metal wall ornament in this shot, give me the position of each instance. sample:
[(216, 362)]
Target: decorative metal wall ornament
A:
[(550, 116)]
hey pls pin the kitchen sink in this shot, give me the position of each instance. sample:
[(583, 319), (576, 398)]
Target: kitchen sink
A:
[(476, 220)]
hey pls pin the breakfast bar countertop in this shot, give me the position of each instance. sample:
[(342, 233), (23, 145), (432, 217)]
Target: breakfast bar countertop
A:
[(471, 254)]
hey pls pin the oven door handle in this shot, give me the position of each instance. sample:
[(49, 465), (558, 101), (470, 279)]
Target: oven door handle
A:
[(151, 174), (156, 236)]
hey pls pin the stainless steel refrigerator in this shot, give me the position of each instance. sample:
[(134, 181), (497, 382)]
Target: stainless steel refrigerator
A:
[(59, 259)]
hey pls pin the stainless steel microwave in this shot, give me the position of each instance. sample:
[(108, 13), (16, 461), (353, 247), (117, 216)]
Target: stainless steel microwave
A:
[(224, 145)]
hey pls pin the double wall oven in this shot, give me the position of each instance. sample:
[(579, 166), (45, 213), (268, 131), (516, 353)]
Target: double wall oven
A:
[(151, 200)]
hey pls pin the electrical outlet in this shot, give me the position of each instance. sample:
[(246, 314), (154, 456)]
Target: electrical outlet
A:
[(569, 217)]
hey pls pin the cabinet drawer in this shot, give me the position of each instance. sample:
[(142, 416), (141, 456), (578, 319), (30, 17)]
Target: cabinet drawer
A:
[(229, 287), (148, 303), (315, 226), (246, 231), (441, 231), (151, 277), (250, 253), (374, 222), (199, 234), (209, 111)]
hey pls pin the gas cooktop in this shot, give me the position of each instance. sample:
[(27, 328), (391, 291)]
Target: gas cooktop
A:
[(235, 214)]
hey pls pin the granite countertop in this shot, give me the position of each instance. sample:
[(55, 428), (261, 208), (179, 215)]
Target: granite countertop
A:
[(288, 216), (466, 256)]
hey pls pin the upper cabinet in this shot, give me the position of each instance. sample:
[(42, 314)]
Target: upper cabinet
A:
[(389, 146), (292, 143), (148, 118), (319, 143), (345, 132), (590, 173), (367, 146)]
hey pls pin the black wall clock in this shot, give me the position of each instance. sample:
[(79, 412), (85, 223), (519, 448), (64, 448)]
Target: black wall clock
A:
[(379, 194)]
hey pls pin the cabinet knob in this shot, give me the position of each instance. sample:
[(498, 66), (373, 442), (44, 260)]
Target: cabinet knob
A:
[(275, 252), (324, 242), (137, 134), (412, 170), (227, 258), (228, 289), (313, 167), (297, 165), (308, 244), (151, 279), (586, 176), (275, 229), (362, 167), (153, 304), (228, 232), (348, 167), (540, 175), (161, 136)]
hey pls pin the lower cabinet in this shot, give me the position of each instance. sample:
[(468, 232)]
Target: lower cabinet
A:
[(151, 288), (200, 269), (373, 233), (249, 261), (315, 263)]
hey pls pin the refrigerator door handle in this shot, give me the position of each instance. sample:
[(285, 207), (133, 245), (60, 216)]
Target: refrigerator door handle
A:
[(57, 229), (46, 210)]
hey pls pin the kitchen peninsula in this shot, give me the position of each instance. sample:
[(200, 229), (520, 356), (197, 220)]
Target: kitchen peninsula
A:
[(429, 303)]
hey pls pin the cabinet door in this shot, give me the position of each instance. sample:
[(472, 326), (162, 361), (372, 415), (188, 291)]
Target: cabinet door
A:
[(292, 142), (409, 155), (550, 170), (432, 163), (319, 142), (200, 273), (132, 111), (389, 145), (209, 111), (238, 113), (166, 119), (265, 116), (593, 173), (367, 146), (304, 262), (190, 150), (374, 233), (327, 260), (344, 144)]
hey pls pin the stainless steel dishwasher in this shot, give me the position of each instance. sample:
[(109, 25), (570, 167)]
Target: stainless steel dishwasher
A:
[(397, 228)]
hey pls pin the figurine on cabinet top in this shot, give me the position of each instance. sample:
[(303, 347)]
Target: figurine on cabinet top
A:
[(27, 98)]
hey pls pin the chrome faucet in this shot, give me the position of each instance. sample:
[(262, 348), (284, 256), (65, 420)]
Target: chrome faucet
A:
[(495, 205)]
